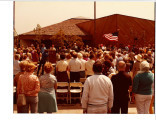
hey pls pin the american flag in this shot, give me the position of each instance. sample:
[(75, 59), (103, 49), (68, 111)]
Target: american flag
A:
[(111, 36)]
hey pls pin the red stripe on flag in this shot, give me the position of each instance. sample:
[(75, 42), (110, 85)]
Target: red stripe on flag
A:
[(110, 37)]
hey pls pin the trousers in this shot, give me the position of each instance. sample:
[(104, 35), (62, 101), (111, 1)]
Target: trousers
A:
[(120, 104), (143, 103), (39, 67), (31, 101), (97, 109), (75, 76)]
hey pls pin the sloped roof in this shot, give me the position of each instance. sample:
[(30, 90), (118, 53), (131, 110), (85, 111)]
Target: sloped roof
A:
[(69, 27), (126, 24)]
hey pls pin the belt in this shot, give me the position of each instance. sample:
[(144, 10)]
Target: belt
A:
[(97, 104)]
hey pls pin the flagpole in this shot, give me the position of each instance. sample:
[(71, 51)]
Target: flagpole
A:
[(14, 20), (95, 21), (116, 22), (116, 30), (155, 20)]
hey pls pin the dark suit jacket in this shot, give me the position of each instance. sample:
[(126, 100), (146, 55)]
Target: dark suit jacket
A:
[(121, 83)]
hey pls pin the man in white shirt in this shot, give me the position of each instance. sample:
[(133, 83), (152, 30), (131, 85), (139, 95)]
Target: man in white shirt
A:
[(74, 68), (75, 47), (98, 92), (61, 69), (53, 48), (89, 65)]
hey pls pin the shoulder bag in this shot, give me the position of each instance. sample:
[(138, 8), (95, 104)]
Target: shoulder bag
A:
[(21, 100)]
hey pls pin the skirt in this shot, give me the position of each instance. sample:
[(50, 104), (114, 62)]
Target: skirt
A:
[(47, 102), (62, 76)]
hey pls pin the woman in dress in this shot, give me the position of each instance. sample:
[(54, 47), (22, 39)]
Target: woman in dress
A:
[(47, 98), (28, 84), (142, 87)]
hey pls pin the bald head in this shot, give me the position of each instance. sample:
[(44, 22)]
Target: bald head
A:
[(121, 66)]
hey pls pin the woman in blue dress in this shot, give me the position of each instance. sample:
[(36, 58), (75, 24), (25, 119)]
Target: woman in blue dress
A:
[(48, 84)]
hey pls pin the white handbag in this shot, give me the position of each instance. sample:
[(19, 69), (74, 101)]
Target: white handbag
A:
[(21, 100)]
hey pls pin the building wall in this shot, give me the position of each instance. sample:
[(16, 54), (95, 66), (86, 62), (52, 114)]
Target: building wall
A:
[(26, 43), (129, 28)]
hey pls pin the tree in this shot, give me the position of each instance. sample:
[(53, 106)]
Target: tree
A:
[(38, 34), (58, 39), (75, 39)]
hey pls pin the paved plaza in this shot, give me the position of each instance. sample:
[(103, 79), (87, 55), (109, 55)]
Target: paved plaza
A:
[(76, 109)]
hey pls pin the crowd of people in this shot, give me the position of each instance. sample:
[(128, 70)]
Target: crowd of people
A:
[(113, 75)]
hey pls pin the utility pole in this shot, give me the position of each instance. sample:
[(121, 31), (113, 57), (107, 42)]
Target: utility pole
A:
[(94, 22), (14, 14), (155, 19), (16, 37)]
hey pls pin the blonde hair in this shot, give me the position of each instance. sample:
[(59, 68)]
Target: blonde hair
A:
[(79, 55), (23, 65), (29, 56), (30, 67), (48, 67)]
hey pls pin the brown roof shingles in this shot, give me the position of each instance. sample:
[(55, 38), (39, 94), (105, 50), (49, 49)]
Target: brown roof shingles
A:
[(69, 27)]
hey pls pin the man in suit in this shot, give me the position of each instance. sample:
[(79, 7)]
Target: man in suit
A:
[(42, 62), (121, 83)]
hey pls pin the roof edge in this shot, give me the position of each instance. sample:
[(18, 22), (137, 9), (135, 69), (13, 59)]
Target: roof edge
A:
[(125, 16)]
